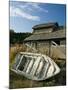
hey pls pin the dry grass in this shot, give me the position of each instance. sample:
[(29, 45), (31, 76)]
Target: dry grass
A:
[(14, 50)]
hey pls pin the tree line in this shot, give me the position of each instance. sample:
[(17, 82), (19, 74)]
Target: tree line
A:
[(16, 37)]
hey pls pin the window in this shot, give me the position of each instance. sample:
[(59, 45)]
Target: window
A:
[(56, 42)]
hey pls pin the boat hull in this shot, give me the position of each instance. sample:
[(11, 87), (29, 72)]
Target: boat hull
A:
[(35, 66)]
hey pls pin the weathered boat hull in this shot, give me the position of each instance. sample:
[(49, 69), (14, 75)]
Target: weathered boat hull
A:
[(35, 66)]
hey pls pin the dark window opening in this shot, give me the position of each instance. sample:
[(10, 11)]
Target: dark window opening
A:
[(57, 42)]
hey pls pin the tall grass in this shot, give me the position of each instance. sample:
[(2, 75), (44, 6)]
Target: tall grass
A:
[(14, 50)]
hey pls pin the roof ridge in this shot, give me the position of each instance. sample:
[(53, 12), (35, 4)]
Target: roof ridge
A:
[(45, 24)]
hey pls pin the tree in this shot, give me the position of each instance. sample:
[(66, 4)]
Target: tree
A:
[(17, 37)]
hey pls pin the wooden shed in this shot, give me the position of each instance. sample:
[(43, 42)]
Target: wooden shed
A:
[(47, 35)]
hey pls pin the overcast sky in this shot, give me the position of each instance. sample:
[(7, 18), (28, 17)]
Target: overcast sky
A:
[(24, 15)]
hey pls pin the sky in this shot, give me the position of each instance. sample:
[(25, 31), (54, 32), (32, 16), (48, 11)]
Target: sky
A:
[(24, 15)]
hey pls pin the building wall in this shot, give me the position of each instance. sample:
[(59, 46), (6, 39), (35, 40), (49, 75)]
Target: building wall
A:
[(44, 44), (43, 47), (63, 42), (46, 30), (46, 47)]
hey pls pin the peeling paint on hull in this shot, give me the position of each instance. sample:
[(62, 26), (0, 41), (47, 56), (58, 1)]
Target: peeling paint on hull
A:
[(35, 66)]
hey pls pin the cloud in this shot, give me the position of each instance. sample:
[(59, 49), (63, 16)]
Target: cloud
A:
[(27, 10), (18, 12), (37, 6), (33, 7)]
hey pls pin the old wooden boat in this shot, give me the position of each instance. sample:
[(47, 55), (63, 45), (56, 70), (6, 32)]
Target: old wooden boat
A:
[(35, 66)]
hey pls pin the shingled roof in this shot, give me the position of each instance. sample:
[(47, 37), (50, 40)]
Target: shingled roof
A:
[(46, 36), (46, 25)]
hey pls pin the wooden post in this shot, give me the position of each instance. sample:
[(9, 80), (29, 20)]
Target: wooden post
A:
[(36, 45), (49, 48)]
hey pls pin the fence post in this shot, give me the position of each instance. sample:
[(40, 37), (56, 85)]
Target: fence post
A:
[(49, 48)]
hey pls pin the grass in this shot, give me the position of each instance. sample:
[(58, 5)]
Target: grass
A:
[(15, 50), (18, 81)]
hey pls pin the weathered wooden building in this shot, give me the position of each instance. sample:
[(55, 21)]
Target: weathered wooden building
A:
[(46, 35)]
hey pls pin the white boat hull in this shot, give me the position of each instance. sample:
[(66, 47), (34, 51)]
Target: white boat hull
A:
[(35, 66)]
